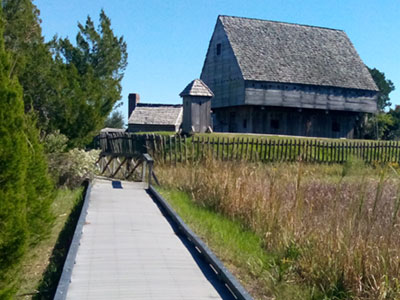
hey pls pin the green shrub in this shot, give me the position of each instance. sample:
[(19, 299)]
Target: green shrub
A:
[(73, 167), (26, 191), (13, 164), (55, 142), (39, 187)]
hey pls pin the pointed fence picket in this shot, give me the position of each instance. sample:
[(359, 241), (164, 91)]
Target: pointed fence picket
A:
[(175, 149)]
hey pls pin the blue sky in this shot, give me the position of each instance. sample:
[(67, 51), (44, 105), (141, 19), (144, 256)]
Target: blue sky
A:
[(167, 40)]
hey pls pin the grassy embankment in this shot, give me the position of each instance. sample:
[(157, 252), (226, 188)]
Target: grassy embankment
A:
[(42, 265), (296, 231)]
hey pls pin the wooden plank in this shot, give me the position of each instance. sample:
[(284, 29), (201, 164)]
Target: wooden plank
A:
[(241, 149), (180, 148), (198, 148), (100, 252), (185, 145), (208, 147), (247, 148), (273, 148), (264, 155), (175, 150), (256, 152), (218, 142), (223, 149), (232, 149)]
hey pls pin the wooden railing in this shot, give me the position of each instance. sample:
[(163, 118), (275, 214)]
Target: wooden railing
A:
[(127, 167), (174, 149)]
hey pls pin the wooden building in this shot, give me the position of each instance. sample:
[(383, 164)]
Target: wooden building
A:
[(196, 107), (281, 78), (148, 117)]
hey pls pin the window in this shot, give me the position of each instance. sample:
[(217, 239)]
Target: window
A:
[(335, 126), (244, 123), (275, 124), (219, 49)]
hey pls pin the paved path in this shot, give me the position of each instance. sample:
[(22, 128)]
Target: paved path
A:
[(128, 250)]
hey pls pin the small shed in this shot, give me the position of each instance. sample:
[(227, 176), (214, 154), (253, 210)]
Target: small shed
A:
[(155, 117), (196, 107)]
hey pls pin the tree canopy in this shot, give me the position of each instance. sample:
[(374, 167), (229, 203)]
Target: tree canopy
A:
[(91, 73), (45, 88), (72, 87), (115, 120), (385, 87)]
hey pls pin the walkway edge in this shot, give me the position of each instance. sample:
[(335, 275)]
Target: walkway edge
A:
[(65, 279), (222, 272)]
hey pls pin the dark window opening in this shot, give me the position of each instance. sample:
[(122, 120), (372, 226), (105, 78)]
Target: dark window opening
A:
[(335, 126), (245, 123), (275, 124), (218, 49)]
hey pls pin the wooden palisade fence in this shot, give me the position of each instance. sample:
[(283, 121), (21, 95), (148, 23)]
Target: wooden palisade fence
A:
[(174, 149)]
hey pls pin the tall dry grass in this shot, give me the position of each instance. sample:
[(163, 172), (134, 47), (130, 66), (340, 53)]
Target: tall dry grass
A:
[(335, 229)]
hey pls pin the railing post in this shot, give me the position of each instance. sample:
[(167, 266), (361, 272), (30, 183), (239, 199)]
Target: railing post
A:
[(148, 160), (144, 170), (150, 172)]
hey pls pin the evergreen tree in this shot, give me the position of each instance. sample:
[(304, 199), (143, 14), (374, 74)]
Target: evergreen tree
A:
[(92, 71), (39, 187), (31, 58), (385, 87), (13, 164), (71, 88), (115, 120)]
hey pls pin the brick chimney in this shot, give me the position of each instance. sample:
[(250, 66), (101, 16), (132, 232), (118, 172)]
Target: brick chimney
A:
[(133, 101)]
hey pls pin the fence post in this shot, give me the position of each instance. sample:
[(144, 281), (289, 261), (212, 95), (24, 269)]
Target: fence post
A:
[(144, 170)]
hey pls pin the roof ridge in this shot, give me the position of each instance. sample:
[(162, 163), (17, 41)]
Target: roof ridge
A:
[(281, 22), (141, 104), (197, 87)]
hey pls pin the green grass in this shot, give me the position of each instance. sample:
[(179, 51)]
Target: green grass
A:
[(240, 249), (258, 135), (38, 259)]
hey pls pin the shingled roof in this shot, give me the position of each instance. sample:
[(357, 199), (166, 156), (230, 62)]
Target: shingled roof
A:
[(197, 88), (291, 53), (156, 114)]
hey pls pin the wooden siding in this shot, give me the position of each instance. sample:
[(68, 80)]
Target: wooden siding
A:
[(286, 121), (221, 71), (152, 127), (300, 96), (196, 114)]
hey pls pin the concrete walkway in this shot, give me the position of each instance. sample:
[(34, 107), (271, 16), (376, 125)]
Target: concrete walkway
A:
[(129, 250)]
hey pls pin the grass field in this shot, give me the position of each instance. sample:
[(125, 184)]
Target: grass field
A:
[(39, 262), (240, 249), (256, 136), (314, 231)]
